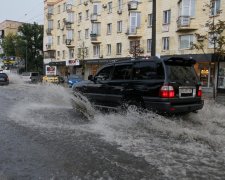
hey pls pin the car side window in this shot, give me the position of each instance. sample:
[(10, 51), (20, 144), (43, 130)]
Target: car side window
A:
[(104, 74), (122, 72), (148, 70)]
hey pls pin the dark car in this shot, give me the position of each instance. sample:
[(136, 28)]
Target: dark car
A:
[(163, 85), (72, 79), (4, 79)]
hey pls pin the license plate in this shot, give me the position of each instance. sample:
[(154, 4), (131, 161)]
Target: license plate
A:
[(2, 79), (186, 91)]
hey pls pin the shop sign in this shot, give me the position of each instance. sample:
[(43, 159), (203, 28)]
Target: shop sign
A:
[(74, 62), (50, 70)]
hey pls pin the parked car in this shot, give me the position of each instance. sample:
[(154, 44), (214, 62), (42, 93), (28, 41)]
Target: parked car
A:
[(53, 79), (162, 85), (72, 79), (31, 77), (4, 79)]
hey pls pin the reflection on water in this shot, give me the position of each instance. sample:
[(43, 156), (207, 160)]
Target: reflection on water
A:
[(187, 146)]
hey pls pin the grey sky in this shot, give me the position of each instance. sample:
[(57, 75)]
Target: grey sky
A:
[(22, 10)]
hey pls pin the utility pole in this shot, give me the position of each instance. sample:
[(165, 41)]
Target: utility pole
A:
[(153, 47), (83, 54)]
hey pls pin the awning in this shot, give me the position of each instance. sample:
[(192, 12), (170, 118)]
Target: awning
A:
[(57, 63)]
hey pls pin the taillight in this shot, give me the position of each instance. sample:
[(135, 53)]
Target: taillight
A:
[(199, 94), (167, 91)]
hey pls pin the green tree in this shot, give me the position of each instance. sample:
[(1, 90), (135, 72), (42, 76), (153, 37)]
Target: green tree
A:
[(30, 46), (9, 44), (214, 35)]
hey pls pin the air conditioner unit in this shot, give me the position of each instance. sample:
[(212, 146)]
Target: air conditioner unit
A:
[(132, 5), (119, 11)]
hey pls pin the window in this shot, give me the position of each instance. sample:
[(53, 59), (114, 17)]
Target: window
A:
[(96, 50), (64, 39), (49, 40), (87, 14), (122, 72), (58, 53), (63, 54), (110, 7), (58, 40), (166, 17), (120, 4), (215, 7), (186, 41), (109, 28), (109, 49), (212, 38), (50, 24), (149, 20), (71, 53), (70, 34), (165, 42), (86, 33), (104, 74), (64, 7), (96, 28), (135, 44), (149, 45), (50, 9), (96, 8), (70, 17), (118, 48), (148, 70), (135, 21), (58, 9), (79, 35), (80, 17), (119, 26), (187, 8), (58, 24)]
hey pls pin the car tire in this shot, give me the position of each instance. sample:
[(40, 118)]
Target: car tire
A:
[(136, 104)]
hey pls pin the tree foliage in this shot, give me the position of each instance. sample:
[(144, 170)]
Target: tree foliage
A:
[(214, 33), (26, 44)]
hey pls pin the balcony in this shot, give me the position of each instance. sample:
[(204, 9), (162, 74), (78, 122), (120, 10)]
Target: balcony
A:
[(94, 17), (48, 46), (49, 31), (132, 5), (133, 32), (69, 43), (69, 8), (49, 15), (94, 38), (184, 24)]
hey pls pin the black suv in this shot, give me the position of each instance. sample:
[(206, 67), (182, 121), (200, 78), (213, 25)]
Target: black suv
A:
[(163, 85)]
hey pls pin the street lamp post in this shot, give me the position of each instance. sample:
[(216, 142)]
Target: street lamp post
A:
[(153, 47)]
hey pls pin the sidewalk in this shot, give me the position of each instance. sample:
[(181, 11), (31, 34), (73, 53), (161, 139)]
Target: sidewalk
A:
[(220, 99)]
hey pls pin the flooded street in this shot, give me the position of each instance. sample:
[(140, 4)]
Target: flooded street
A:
[(43, 137)]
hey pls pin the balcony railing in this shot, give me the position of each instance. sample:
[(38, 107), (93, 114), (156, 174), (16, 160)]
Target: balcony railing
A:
[(183, 21), (93, 36), (94, 17), (49, 30), (132, 5)]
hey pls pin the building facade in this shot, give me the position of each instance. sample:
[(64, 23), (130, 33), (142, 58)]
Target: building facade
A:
[(7, 27), (81, 35)]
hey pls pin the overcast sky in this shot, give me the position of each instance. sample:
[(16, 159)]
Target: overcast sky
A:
[(22, 10)]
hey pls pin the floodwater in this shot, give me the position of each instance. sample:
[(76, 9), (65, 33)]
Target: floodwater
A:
[(184, 147)]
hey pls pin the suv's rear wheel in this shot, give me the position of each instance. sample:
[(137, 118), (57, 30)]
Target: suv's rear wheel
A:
[(134, 103)]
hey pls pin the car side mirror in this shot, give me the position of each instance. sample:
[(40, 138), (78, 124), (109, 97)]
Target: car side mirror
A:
[(90, 77)]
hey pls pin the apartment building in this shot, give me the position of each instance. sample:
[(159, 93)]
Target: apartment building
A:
[(6, 27), (81, 35)]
